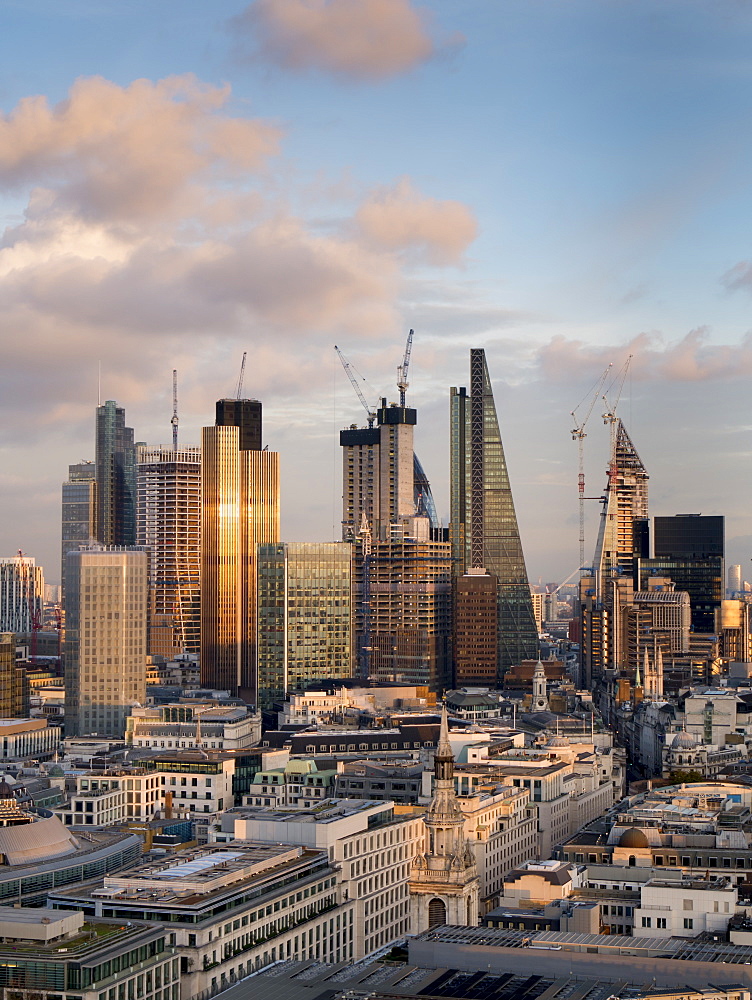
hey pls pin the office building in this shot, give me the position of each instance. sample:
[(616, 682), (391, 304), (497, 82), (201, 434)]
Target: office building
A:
[(115, 463), (622, 543), (734, 586), (231, 908), (245, 414), (475, 645), (14, 683), (403, 610), (304, 616), (105, 640), (45, 954), (79, 511), (240, 510), (689, 549), (372, 844), (169, 524), (483, 526), (192, 725), (21, 594)]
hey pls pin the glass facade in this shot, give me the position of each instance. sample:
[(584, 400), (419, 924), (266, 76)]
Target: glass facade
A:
[(116, 477), (79, 513), (303, 615), (483, 530), (240, 510)]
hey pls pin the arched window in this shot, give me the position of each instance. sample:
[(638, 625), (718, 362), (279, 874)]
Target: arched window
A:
[(632, 860), (436, 912)]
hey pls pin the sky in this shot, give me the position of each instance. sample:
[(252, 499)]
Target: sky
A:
[(563, 184)]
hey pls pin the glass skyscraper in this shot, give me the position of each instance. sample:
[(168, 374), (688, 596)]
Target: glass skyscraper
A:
[(483, 527), (303, 617), (239, 510), (79, 512), (116, 477)]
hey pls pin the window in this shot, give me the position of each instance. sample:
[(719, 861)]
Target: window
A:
[(647, 921), (687, 904), (660, 922), (688, 923)]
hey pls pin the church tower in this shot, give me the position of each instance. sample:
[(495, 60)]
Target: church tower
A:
[(444, 885), (540, 699)]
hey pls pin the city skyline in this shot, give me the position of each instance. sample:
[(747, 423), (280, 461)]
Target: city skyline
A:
[(559, 187)]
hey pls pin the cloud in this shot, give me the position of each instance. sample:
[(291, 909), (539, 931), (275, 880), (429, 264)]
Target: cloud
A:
[(690, 359), (357, 39), (130, 153), (400, 218)]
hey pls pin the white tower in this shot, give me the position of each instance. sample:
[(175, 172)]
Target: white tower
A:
[(540, 699), (444, 886)]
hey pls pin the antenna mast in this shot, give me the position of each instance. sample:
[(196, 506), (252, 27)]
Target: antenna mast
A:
[(174, 420)]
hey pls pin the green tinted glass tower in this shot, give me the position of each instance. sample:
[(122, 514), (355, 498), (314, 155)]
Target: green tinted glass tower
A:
[(483, 529)]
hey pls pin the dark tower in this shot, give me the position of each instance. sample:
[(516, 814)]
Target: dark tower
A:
[(115, 464), (245, 414), (483, 530)]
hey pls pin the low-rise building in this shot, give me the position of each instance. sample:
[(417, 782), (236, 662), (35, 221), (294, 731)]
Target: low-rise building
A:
[(685, 907), (299, 784), (44, 954), (193, 724), (396, 781), (373, 843), (24, 739), (231, 909)]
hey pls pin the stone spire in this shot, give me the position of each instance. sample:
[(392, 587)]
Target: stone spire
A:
[(540, 698)]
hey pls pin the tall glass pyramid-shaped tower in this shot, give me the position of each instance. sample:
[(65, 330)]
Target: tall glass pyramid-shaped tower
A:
[(483, 527)]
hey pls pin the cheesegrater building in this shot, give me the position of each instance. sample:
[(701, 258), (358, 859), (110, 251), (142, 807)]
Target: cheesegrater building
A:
[(483, 527)]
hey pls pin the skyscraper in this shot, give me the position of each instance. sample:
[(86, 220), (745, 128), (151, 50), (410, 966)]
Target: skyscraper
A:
[(379, 472), (304, 616), (21, 594), (169, 523), (79, 511), (14, 682), (105, 639), (116, 477), (483, 527), (239, 510), (622, 542), (689, 549), (244, 414)]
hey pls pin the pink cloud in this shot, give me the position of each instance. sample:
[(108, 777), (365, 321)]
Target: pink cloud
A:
[(400, 218), (360, 39), (691, 359), (130, 152)]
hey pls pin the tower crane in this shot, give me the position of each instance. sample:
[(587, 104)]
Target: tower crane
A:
[(609, 417), (174, 420), (354, 383), (402, 382), (579, 435), (240, 377)]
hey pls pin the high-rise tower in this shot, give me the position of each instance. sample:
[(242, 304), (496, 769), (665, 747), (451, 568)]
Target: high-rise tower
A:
[(105, 639), (79, 511), (483, 527), (169, 524), (116, 477), (21, 594), (239, 510)]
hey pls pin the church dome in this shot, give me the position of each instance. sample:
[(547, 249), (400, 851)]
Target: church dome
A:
[(634, 838), (6, 792), (683, 741), (558, 741)]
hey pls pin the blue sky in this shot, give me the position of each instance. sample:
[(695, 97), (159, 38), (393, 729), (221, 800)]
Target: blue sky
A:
[(562, 184)]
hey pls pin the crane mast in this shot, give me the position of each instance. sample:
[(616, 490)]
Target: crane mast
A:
[(402, 383), (240, 377), (579, 435), (174, 420), (354, 383)]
